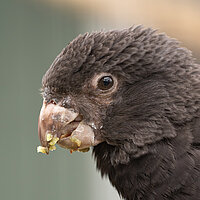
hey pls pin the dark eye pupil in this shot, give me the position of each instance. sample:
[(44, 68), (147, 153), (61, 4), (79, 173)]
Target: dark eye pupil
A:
[(105, 83), (107, 80)]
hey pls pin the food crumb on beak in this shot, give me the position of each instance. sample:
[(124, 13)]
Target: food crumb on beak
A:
[(49, 137), (52, 148), (53, 141), (41, 149), (75, 140), (84, 150)]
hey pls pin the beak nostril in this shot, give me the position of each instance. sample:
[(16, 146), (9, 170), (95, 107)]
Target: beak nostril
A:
[(52, 102)]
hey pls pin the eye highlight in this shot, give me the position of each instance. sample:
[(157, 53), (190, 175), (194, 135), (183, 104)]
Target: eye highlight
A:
[(105, 83)]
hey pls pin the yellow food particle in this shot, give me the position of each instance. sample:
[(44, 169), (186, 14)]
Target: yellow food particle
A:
[(84, 150), (52, 148), (41, 149), (53, 141), (49, 137), (76, 140)]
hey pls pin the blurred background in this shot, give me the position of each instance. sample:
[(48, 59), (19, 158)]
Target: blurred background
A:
[(32, 33)]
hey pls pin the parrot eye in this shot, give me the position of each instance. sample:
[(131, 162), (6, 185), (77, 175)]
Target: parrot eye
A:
[(105, 83)]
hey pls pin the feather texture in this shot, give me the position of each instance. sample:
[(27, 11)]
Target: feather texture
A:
[(150, 126)]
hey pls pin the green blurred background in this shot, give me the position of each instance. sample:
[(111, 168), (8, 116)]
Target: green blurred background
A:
[(32, 33)]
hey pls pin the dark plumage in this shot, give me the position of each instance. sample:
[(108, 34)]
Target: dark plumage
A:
[(149, 120)]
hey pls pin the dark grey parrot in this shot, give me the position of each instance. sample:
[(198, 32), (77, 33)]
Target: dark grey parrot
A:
[(134, 95)]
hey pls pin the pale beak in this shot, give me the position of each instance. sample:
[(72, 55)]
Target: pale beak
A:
[(64, 126)]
